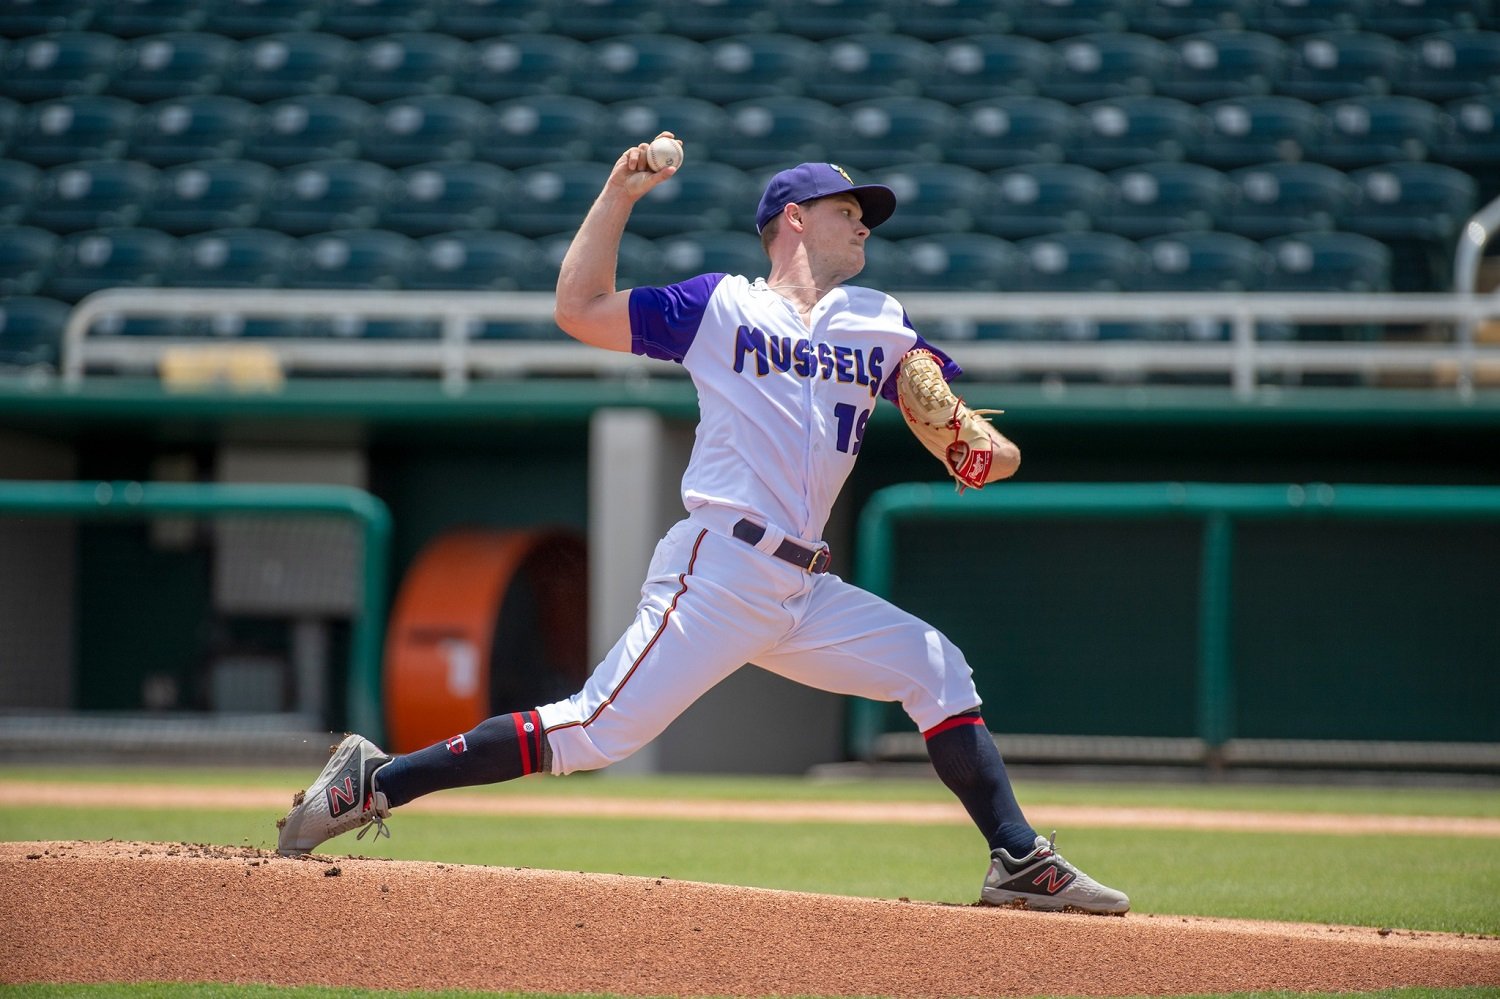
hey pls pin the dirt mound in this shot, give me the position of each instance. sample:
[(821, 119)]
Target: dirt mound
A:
[(101, 912)]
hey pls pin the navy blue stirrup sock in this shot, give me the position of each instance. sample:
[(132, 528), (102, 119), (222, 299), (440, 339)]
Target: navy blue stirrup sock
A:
[(964, 755), (497, 749)]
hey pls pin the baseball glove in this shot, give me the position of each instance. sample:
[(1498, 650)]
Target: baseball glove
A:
[(960, 437)]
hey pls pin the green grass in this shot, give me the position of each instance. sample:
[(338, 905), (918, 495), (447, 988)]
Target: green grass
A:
[(1422, 883)]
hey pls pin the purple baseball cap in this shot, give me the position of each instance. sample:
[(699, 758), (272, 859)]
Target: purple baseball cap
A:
[(818, 180)]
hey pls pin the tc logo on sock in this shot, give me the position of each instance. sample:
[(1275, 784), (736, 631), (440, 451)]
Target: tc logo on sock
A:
[(457, 745)]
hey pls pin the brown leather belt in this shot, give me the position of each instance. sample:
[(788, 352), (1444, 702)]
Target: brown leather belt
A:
[(812, 560)]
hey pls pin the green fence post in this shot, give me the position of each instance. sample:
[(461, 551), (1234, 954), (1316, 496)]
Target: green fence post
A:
[(1215, 671)]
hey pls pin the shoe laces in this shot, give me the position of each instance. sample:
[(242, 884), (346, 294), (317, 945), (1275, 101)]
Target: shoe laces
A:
[(374, 817)]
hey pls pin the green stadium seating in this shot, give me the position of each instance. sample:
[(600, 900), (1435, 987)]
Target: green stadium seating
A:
[(697, 122), (352, 258), (135, 18), (1153, 199), (42, 17), (598, 19), (72, 128), (943, 20), (1294, 18), (977, 67), (314, 127), (479, 260), (289, 64), (711, 251), (326, 195), (754, 65), (1327, 261), (202, 127), (476, 19), (1011, 131), (776, 131), (709, 196), (253, 18), (1037, 199), (1213, 65), (967, 261), (232, 258), (1364, 131), (1202, 261), (1278, 199), (1242, 131), (1081, 261), (824, 19), (1172, 19), (1469, 136), (211, 194), (91, 261), (934, 197), (520, 65), (1337, 64), (174, 64), (31, 331), (543, 129), (554, 197), (888, 131), (367, 18), (446, 195), (411, 130), (1095, 66), (25, 255), (1425, 201), (410, 64), (17, 183), (1408, 18), (865, 66), (705, 20), (1447, 65), (1050, 20), (640, 65), (61, 64), (92, 194), (1120, 131)]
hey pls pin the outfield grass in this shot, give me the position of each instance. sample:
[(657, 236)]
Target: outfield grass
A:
[(1422, 883)]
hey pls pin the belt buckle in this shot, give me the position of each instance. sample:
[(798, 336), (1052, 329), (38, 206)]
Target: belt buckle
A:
[(820, 561)]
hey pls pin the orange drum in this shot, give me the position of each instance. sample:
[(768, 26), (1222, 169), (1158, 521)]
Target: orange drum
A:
[(485, 622)]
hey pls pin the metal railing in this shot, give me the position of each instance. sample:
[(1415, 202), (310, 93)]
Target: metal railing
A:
[(117, 500), (1448, 353), (1218, 507)]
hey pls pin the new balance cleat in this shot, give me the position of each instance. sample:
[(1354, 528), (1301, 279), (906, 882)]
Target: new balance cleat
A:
[(342, 798), (1042, 879)]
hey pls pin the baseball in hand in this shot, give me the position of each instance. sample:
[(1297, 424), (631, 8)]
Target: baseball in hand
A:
[(663, 152)]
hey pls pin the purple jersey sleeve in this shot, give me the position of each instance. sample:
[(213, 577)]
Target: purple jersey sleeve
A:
[(951, 370), (664, 321)]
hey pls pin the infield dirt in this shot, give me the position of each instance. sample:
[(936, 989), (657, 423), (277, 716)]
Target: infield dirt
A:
[(127, 912)]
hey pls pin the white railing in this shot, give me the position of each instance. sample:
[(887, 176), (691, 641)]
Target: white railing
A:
[(1447, 352)]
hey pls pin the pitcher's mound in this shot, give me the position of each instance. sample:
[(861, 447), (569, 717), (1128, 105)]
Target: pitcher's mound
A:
[(124, 912)]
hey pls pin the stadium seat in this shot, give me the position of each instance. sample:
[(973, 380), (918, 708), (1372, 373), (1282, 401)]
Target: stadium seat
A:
[(961, 261), (1424, 201), (1278, 199), (1042, 198), (1338, 64), (1153, 199), (326, 195), (709, 196), (412, 130), (1363, 131), (824, 19), (136, 18), (640, 65), (936, 197), (1082, 262), (626, 123), (885, 266), (1175, 18), (1295, 18), (73, 128), (941, 20), (17, 183), (1120, 131), (253, 18), (711, 252), (42, 17), (92, 194), (1327, 261), (31, 331), (1010, 131), (1106, 64), (10, 117), (1447, 65), (446, 195), (705, 20), (232, 258), (25, 254), (367, 18), (1420, 17), (976, 67), (748, 66), (405, 65), (59, 65), (1050, 20), (887, 131), (775, 131), (1242, 131), (91, 261), (290, 64), (596, 19), (212, 194), (175, 64), (1202, 261), (639, 261), (554, 197), (476, 19), (315, 127), (1470, 137), (520, 65), (352, 258), (863, 66), (543, 129), (479, 260), (1213, 65), (184, 129)]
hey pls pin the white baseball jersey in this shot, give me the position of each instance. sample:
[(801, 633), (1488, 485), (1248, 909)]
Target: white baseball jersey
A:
[(783, 410)]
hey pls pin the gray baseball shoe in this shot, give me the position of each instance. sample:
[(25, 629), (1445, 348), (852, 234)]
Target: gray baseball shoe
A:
[(1044, 880), (342, 798)]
